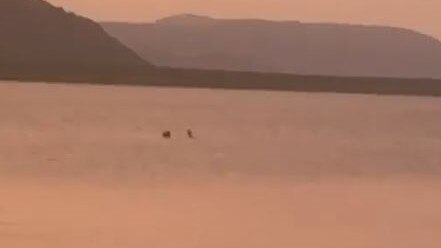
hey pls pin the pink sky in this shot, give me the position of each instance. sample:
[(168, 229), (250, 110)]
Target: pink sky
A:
[(421, 15)]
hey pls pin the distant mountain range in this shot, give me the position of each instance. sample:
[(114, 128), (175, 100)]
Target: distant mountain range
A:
[(36, 37), (190, 41), (40, 42)]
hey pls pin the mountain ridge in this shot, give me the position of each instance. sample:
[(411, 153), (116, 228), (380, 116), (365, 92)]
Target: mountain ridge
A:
[(38, 37), (42, 43), (191, 41)]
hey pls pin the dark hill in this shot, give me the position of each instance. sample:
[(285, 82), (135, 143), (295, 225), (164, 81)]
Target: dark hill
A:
[(40, 42), (189, 41), (37, 37)]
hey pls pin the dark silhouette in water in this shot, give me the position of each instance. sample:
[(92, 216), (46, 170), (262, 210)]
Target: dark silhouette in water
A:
[(190, 134), (166, 135)]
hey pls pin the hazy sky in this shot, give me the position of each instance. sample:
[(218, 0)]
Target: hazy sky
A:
[(421, 15)]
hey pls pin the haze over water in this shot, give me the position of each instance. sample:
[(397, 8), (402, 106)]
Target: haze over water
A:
[(86, 166)]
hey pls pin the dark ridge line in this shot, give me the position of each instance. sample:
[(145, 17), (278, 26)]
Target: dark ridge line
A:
[(219, 79)]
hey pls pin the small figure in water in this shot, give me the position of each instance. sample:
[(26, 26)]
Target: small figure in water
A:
[(166, 135), (190, 134)]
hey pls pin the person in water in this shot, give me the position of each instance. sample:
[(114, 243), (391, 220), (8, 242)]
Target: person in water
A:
[(166, 135), (190, 134)]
